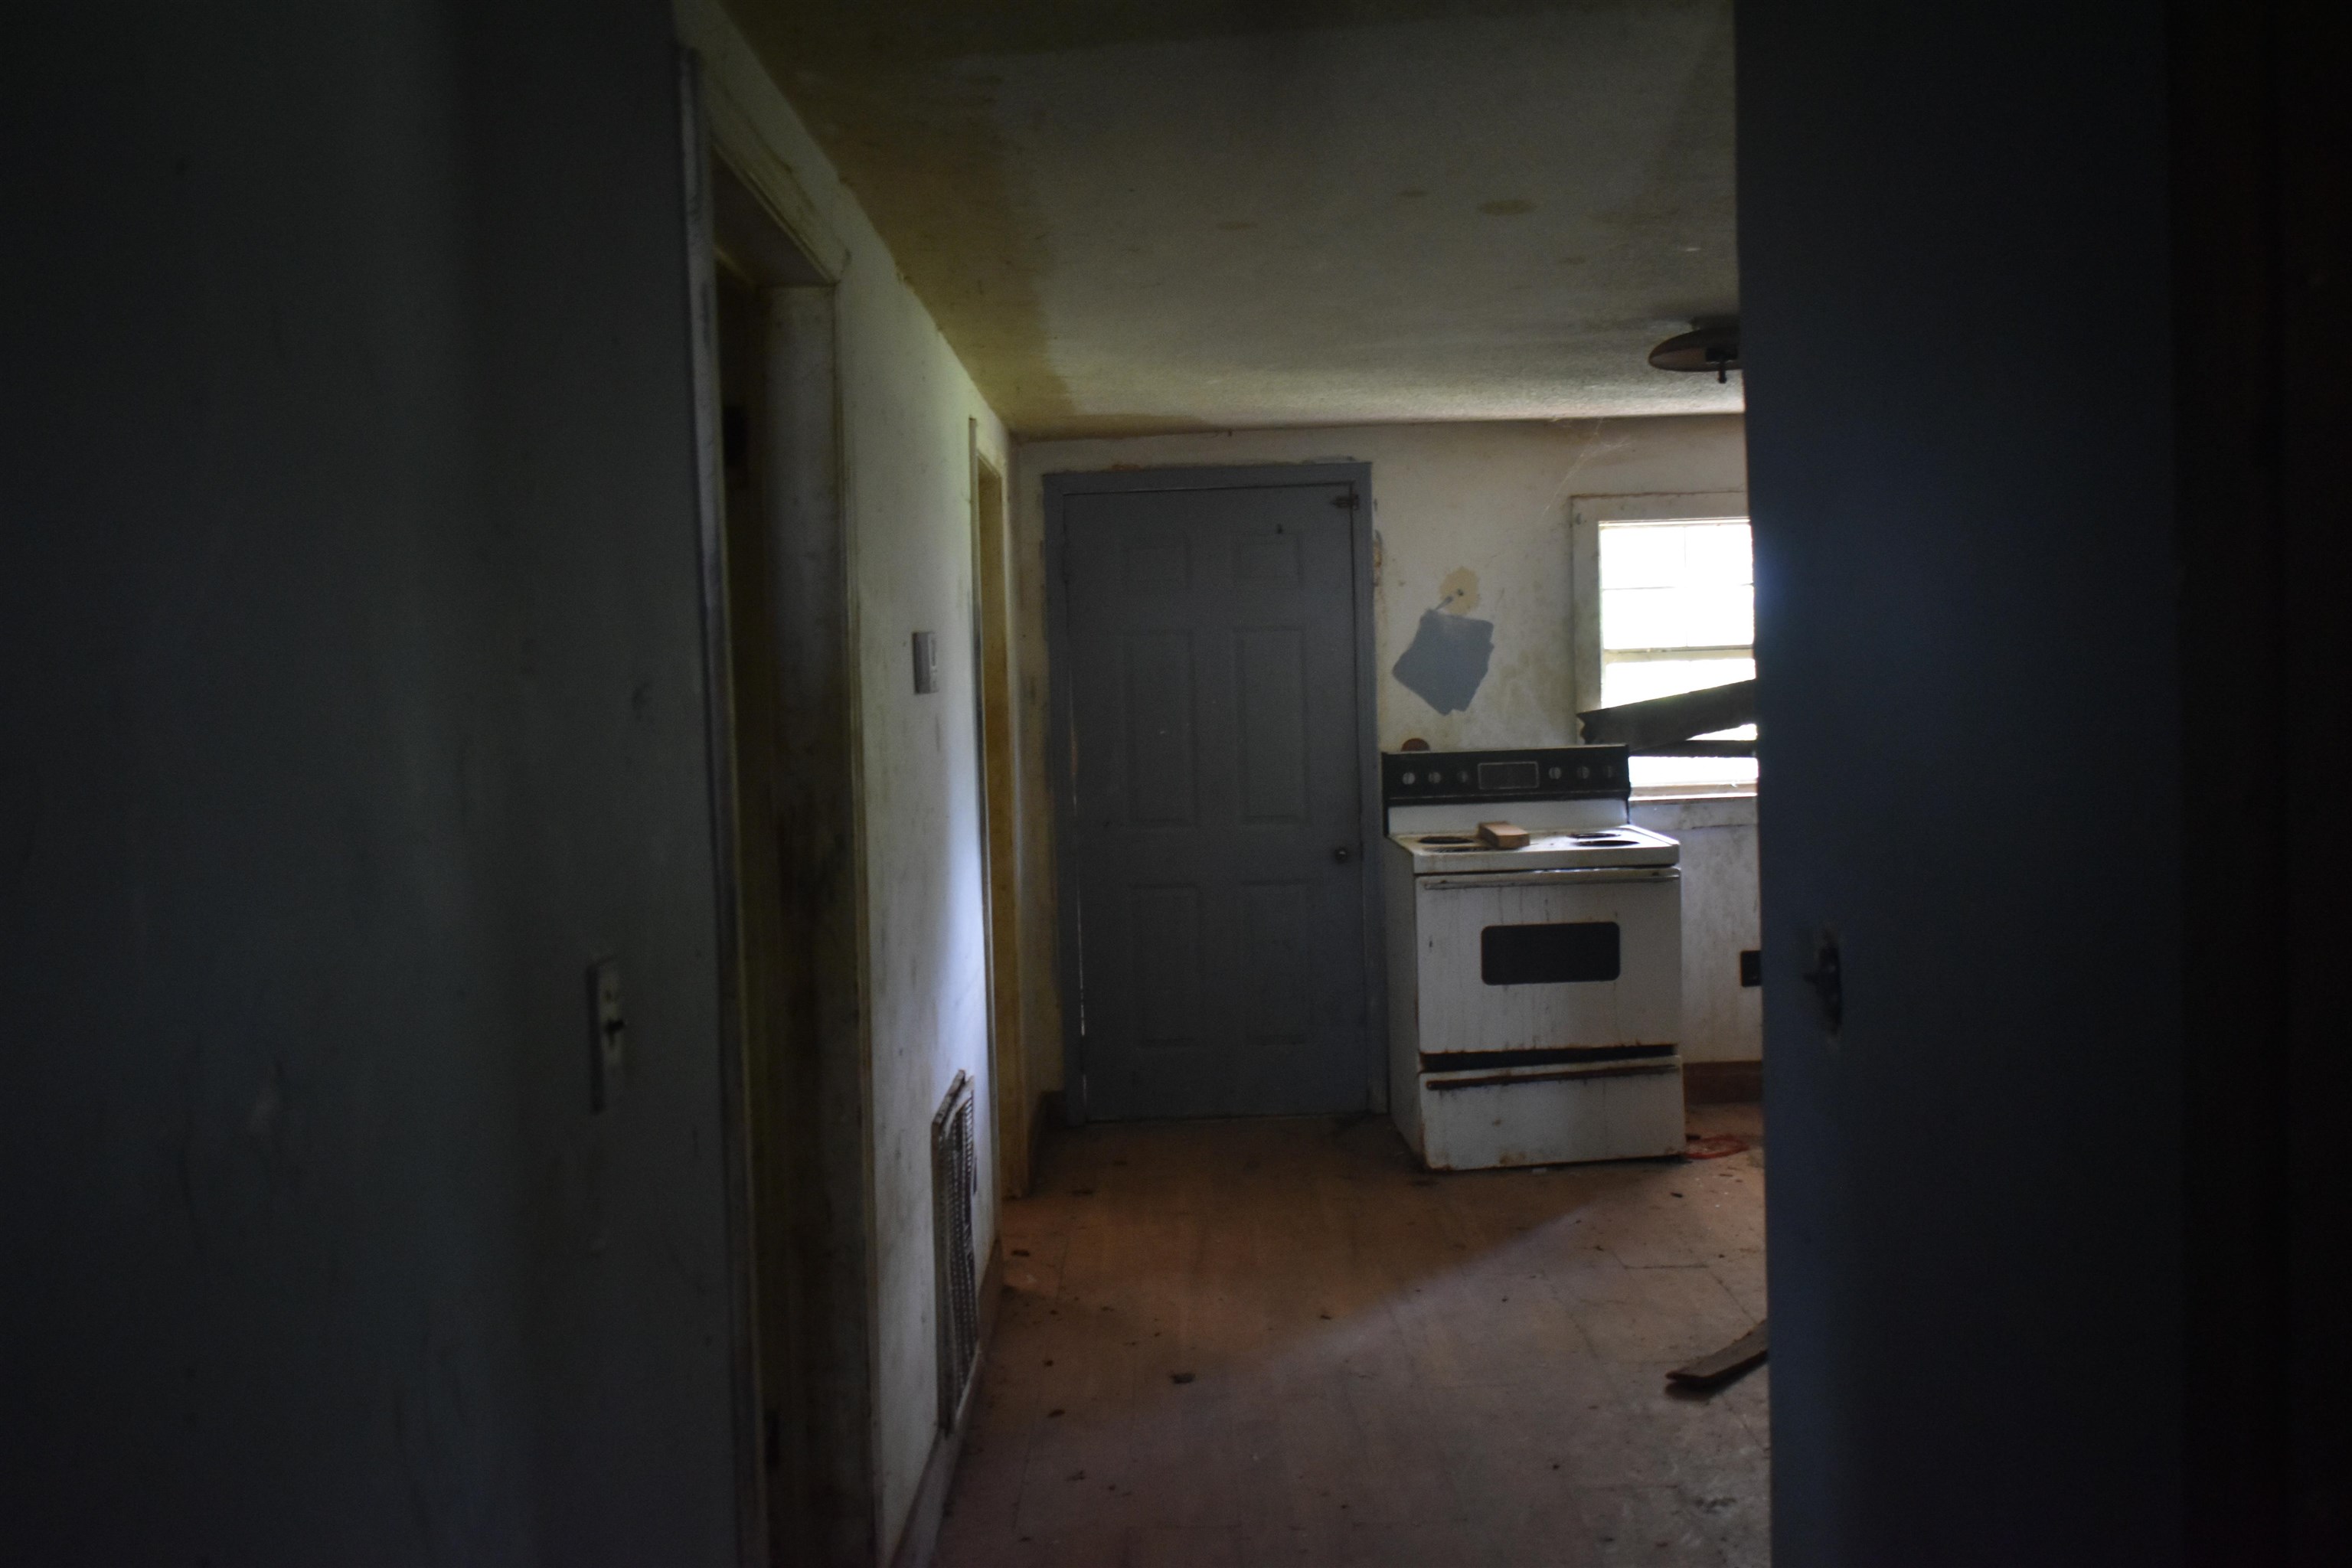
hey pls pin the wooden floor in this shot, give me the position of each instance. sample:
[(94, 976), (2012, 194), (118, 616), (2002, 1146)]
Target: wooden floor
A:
[(1280, 1342)]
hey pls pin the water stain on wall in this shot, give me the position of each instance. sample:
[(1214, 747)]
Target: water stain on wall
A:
[(1458, 593)]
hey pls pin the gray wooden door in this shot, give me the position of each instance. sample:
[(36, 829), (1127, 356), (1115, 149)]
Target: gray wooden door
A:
[(1212, 649)]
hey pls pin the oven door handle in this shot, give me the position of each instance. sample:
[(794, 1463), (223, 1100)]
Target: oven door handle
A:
[(1562, 877)]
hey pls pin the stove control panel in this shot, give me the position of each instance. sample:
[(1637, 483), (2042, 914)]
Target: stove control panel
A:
[(1548, 773)]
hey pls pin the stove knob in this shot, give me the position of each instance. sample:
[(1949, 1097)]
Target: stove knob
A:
[(1554, 770), (1407, 778)]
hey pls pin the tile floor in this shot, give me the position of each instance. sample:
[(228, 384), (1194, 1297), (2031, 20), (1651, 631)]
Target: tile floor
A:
[(1281, 1342)]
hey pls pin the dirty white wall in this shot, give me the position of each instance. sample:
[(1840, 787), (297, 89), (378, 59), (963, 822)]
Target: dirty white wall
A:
[(1471, 520), (1723, 1021), (908, 411)]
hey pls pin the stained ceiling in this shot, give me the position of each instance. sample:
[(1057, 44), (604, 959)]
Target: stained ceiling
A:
[(1129, 216)]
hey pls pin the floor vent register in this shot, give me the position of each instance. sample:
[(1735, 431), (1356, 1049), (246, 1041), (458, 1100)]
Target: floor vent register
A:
[(956, 1272)]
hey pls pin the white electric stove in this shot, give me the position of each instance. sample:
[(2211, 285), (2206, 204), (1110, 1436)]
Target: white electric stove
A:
[(1535, 993)]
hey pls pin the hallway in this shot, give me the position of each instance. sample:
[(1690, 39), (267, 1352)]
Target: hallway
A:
[(1278, 1341)]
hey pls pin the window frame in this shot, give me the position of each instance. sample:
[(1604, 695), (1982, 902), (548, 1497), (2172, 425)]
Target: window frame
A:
[(1586, 514)]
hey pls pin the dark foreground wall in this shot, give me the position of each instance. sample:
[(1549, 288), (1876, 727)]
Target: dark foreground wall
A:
[(351, 689), (2045, 311), (1955, 262)]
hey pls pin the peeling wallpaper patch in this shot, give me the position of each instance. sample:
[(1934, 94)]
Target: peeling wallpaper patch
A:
[(1448, 659)]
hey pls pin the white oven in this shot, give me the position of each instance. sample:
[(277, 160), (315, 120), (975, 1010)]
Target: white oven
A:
[(1535, 990)]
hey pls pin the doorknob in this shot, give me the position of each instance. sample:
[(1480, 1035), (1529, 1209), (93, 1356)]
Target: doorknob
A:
[(1827, 977), (1342, 854)]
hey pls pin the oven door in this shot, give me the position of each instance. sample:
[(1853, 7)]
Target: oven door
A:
[(1582, 966)]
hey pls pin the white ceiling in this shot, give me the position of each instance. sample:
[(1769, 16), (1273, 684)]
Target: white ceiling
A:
[(1205, 213)]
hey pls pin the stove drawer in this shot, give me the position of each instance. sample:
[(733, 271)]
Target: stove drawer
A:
[(1479, 1121), (1547, 961)]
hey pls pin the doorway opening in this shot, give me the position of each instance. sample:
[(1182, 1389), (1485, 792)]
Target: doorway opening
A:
[(784, 764), (1233, 1333)]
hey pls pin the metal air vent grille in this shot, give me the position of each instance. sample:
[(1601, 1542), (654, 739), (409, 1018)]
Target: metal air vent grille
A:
[(956, 1271)]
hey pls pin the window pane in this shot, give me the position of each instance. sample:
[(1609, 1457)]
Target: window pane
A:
[(1695, 616), (1681, 584), (1667, 585), (1720, 553), (1692, 772), (1632, 556), (1638, 680)]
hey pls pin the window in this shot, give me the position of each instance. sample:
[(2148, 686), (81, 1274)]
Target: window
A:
[(1672, 608)]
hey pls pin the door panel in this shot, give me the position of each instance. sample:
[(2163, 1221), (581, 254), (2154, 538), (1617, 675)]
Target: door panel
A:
[(1165, 942), (1215, 729), (1159, 756), (1272, 745)]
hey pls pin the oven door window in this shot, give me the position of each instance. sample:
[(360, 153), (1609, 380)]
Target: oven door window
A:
[(1560, 954)]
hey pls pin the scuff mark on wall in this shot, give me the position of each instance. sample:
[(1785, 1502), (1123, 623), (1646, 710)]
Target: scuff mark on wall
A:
[(1448, 659)]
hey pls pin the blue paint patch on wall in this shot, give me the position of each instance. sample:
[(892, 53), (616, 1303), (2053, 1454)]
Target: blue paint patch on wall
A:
[(1447, 661)]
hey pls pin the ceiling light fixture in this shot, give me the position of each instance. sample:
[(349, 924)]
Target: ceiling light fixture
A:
[(1709, 345)]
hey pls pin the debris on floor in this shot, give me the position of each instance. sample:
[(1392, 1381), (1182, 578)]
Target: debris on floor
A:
[(1714, 1371), (1252, 1323), (1715, 1148)]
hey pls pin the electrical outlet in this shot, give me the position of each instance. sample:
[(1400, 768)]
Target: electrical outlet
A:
[(608, 1042)]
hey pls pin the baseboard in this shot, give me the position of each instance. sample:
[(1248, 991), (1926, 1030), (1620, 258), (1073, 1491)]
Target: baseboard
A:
[(919, 1542), (1723, 1083)]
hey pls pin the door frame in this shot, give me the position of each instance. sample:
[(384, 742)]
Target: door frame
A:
[(799, 1224), (1062, 756), (996, 726), (719, 735)]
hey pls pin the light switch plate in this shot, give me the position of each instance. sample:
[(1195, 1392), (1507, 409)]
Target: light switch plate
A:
[(926, 663), (608, 1043)]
